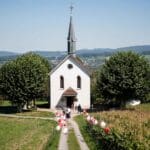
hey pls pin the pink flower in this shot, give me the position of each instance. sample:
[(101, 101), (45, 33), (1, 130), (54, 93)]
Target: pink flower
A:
[(60, 124)]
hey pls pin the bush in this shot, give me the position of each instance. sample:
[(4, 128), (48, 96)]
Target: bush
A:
[(129, 129), (114, 140)]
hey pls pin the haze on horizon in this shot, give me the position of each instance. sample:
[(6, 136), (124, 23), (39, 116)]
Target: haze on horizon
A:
[(29, 25)]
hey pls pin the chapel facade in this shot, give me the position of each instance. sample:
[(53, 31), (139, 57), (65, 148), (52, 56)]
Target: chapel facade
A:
[(70, 79)]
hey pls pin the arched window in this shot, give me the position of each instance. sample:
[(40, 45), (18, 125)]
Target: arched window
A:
[(61, 82), (78, 82)]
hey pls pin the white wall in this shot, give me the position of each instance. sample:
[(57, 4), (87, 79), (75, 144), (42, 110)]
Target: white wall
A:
[(70, 80)]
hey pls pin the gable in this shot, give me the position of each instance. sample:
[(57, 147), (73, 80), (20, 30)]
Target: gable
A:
[(76, 61)]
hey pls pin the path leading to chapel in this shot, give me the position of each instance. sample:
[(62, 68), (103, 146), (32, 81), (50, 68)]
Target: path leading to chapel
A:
[(78, 134), (63, 145)]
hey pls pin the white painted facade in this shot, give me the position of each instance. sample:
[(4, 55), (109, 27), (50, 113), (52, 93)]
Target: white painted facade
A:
[(70, 80)]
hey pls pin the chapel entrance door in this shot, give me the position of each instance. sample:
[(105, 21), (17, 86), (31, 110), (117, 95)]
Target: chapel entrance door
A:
[(70, 101)]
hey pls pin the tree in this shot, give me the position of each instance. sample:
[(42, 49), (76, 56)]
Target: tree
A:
[(124, 76), (24, 79), (95, 95)]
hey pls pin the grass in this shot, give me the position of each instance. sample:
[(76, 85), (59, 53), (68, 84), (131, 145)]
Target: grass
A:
[(134, 122), (88, 139), (52, 143), (37, 102), (72, 141), (6, 108), (5, 103), (141, 108), (36, 114), (25, 134)]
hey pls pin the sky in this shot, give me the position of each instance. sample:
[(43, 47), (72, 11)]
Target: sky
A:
[(29, 25)]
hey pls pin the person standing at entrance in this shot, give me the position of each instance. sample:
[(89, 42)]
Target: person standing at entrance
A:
[(76, 106), (79, 108)]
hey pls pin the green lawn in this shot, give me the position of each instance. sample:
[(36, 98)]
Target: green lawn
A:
[(6, 108), (26, 134), (8, 103), (5, 103), (36, 114)]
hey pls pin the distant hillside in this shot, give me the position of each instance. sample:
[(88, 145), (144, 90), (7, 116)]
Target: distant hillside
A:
[(145, 49), (50, 53), (7, 53)]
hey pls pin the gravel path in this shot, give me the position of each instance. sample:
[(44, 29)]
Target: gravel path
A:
[(63, 145)]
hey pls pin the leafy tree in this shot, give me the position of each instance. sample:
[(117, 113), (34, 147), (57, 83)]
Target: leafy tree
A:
[(95, 95), (24, 79), (124, 76)]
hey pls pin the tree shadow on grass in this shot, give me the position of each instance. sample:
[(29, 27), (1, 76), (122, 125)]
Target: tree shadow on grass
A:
[(13, 109), (8, 109), (43, 105)]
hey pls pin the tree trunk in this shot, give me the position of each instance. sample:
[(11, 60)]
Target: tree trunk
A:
[(34, 103), (19, 108)]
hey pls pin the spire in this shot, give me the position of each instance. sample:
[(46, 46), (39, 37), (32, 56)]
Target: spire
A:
[(71, 35)]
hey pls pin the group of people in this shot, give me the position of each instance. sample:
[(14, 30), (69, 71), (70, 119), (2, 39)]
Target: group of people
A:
[(76, 107), (67, 112)]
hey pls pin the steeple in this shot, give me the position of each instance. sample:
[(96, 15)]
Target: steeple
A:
[(71, 35)]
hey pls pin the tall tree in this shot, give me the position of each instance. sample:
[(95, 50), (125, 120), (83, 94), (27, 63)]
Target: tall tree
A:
[(24, 79), (124, 76)]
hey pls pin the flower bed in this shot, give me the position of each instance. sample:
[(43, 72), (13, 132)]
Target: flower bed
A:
[(123, 130)]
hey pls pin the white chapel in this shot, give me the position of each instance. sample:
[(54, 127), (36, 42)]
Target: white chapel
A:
[(70, 79)]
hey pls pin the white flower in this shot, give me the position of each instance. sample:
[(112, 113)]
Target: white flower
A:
[(95, 122), (58, 128), (88, 118), (102, 124)]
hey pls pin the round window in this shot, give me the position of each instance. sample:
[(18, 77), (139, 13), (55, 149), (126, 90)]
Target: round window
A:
[(70, 66)]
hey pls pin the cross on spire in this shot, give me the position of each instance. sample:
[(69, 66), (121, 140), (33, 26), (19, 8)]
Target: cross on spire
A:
[(71, 9)]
